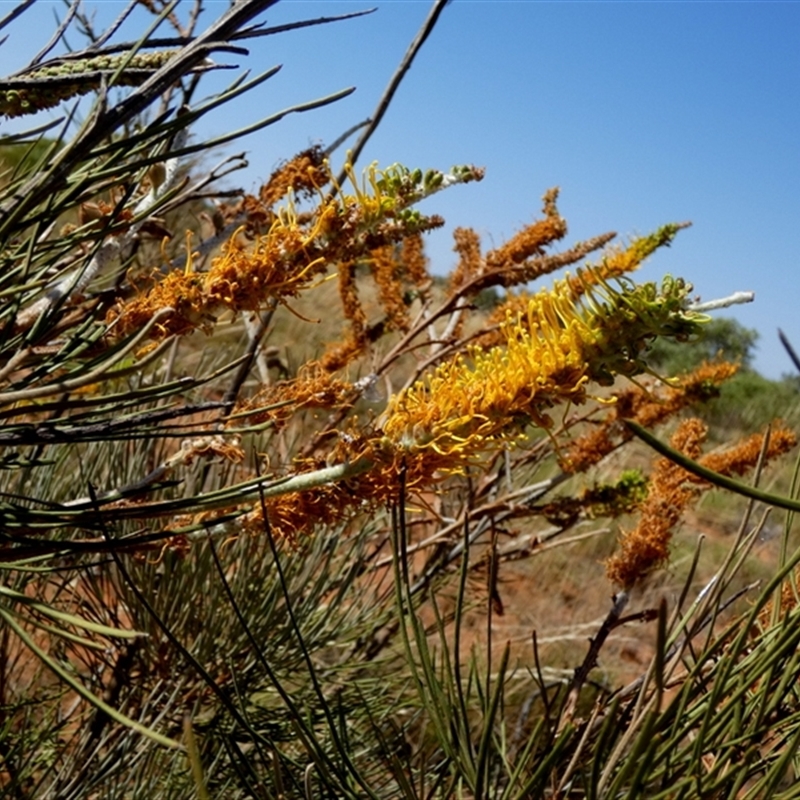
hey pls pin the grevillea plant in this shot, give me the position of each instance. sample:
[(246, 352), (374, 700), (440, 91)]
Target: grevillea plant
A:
[(249, 518)]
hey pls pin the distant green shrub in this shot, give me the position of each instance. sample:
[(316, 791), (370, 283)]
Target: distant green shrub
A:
[(723, 337)]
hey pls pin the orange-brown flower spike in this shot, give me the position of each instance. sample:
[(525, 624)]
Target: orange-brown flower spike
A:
[(522, 258), (646, 547), (388, 269), (532, 239), (304, 175), (470, 264), (672, 489), (296, 248), (299, 513), (275, 265), (648, 407), (339, 356), (591, 448), (179, 291), (743, 456), (313, 388), (415, 262)]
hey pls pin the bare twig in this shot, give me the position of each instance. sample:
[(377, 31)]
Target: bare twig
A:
[(590, 662)]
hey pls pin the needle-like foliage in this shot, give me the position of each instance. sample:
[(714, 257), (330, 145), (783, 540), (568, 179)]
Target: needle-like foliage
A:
[(265, 478)]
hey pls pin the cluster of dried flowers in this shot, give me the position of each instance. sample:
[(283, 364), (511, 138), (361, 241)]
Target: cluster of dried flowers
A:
[(473, 397)]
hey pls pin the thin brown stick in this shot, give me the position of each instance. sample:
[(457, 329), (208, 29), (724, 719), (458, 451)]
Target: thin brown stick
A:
[(612, 620)]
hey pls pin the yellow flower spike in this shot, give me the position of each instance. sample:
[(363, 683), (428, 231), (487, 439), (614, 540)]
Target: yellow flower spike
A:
[(471, 404)]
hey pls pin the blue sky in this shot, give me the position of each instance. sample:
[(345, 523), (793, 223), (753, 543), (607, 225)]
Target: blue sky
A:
[(642, 112)]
